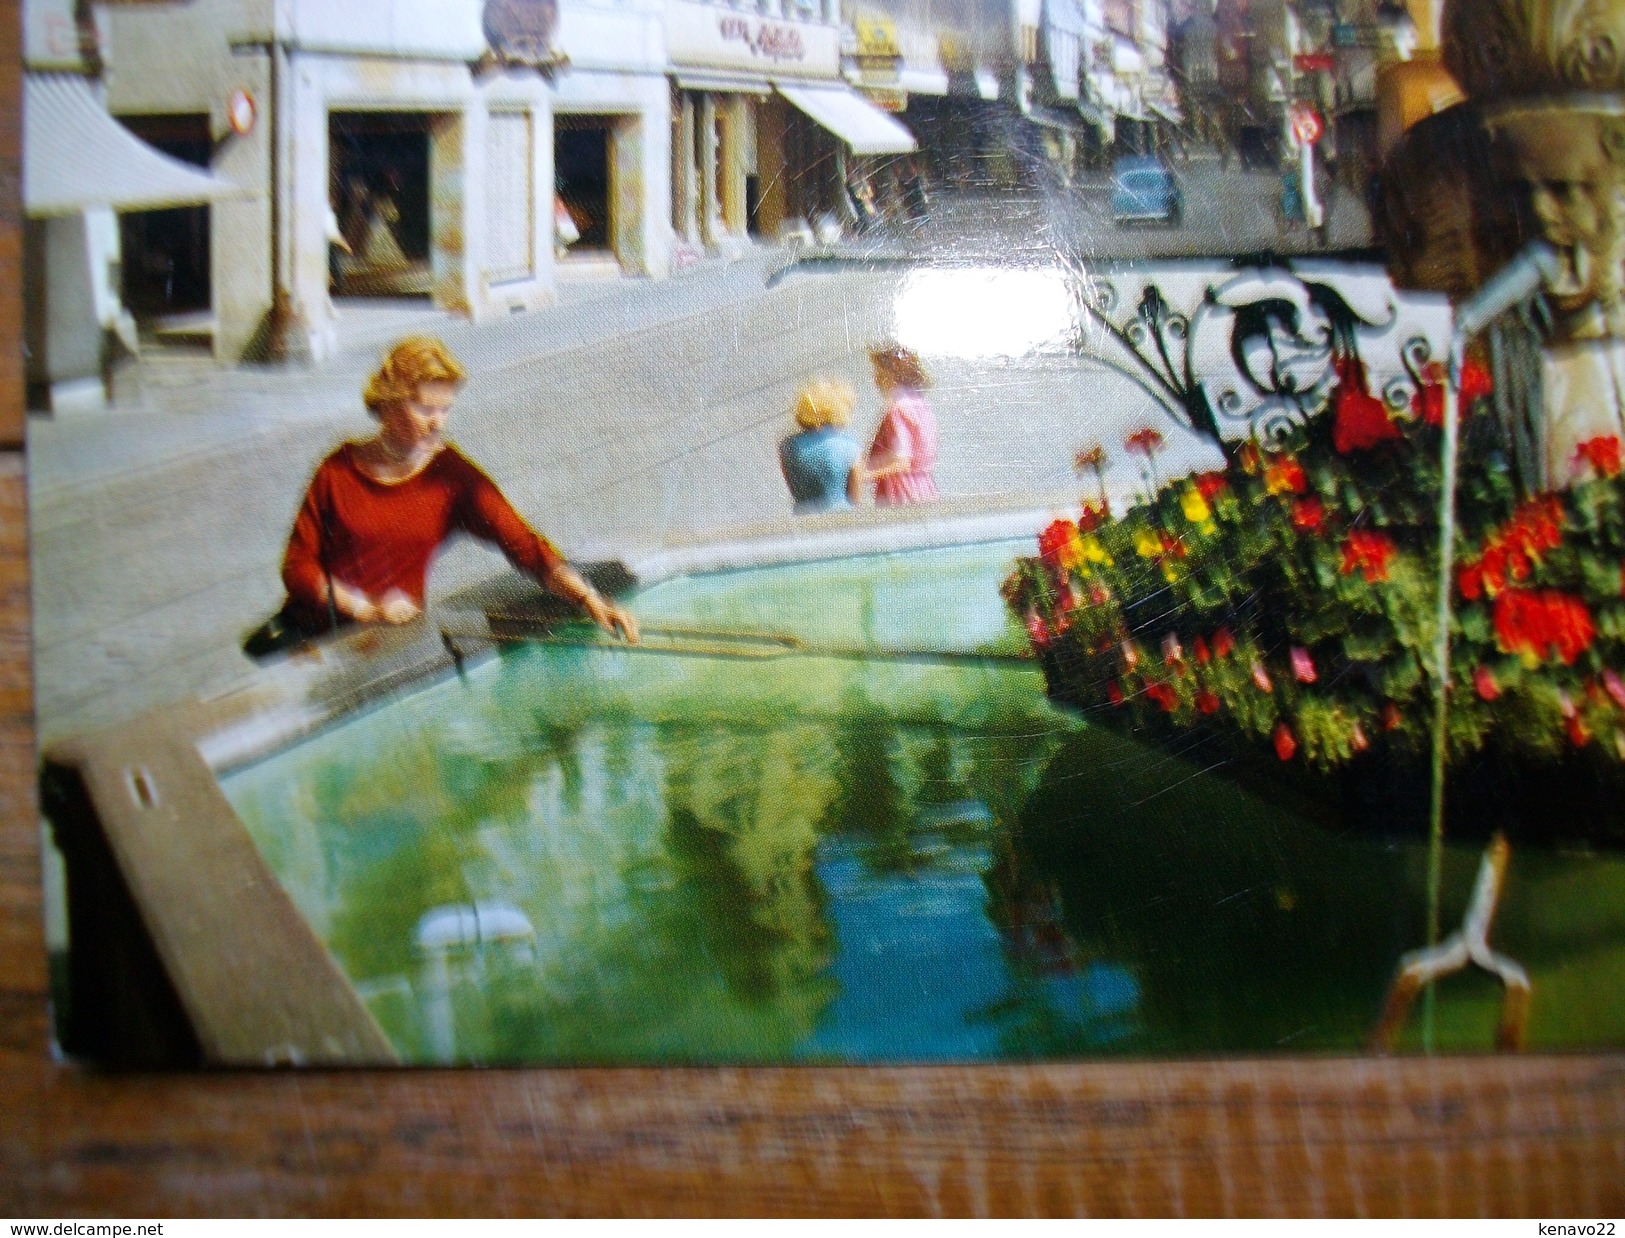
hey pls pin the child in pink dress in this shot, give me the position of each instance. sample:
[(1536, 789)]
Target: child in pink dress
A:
[(904, 451)]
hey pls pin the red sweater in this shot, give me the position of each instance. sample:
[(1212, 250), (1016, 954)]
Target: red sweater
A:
[(376, 536)]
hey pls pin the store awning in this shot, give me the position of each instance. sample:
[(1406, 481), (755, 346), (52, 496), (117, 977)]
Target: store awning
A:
[(1168, 111), (723, 83), (76, 156), (860, 124)]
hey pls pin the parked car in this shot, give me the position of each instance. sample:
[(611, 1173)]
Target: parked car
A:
[(1144, 190)]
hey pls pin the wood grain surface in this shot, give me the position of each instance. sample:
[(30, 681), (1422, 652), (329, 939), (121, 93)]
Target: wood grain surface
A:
[(1492, 1136)]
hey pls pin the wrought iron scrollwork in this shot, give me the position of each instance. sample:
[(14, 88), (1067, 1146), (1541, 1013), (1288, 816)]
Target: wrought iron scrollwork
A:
[(1233, 355)]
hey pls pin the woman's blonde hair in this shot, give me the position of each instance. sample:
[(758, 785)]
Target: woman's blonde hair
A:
[(899, 364), (824, 404), (414, 361)]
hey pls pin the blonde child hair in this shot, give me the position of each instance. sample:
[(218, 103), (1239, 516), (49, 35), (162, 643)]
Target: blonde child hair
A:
[(824, 403), (414, 361)]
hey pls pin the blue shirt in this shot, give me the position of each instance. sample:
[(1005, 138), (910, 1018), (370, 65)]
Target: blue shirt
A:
[(816, 464)]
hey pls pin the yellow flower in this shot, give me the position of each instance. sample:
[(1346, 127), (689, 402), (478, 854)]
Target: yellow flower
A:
[(1195, 506), (1094, 552), (1147, 544)]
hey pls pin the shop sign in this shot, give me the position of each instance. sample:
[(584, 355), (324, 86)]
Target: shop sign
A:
[(241, 112), (953, 50), (877, 37), (57, 34), (1314, 62), (886, 100), (1307, 126), (703, 35)]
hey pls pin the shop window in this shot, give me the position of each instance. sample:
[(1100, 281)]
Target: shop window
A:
[(581, 167), (379, 186)]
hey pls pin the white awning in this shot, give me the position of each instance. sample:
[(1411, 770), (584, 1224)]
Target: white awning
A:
[(722, 83), (76, 156), (922, 81), (860, 124)]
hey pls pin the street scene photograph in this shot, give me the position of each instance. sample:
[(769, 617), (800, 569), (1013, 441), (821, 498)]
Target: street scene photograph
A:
[(581, 532)]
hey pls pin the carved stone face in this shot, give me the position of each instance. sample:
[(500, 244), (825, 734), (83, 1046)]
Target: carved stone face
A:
[(1572, 168)]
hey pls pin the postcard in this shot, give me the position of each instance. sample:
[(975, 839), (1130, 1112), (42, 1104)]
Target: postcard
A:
[(776, 531)]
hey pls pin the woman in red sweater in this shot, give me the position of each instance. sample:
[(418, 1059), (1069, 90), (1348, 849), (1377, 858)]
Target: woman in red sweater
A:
[(377, 511)]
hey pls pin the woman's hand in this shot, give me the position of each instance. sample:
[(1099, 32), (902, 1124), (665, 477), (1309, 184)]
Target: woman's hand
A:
[(354, 603), (393, 607), (564, 581), (396, 607), (613, 619)]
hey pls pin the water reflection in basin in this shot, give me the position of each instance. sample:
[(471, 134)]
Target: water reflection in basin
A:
[(821, 859)]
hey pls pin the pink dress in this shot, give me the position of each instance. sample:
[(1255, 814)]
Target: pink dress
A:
[(908, 431)]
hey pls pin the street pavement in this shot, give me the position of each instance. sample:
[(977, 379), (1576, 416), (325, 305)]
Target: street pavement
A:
[(632, 416)]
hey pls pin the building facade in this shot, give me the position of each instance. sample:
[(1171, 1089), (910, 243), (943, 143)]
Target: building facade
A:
[(83, 173), (398, 148)]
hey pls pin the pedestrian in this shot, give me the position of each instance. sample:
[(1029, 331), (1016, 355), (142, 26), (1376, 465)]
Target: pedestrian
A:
[(904, 452), (820, 461), (378, 510), (336, 244), (915, 200)]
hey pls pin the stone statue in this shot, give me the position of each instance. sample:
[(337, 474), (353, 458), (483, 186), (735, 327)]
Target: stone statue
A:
[(1547, 77)]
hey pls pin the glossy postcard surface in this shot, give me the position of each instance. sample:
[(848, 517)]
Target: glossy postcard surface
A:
[(1022, 531)]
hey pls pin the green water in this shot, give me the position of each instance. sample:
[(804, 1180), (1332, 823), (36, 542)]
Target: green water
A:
[(678, 858)]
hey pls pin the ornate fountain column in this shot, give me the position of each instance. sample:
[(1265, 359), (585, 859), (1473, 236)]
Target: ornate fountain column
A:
[(1548, 79)]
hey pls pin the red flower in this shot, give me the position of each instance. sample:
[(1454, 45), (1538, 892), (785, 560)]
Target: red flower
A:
[(1147, 442), (1210, 485), (1131, 655), (1601, 453), (1357, 739), (1511, 551), (1175, 546), (1093, 513), (1470, 580), (1543, 624), (1058, 546), (1207, 702), (1249, 457), (1428, 402), (1037, 632), (1308, 515), (1475, 383), (1224, 644), (1392, 719), (1368, 554), (1285, 743), (1261, 677), (1091, 458), (1484, 684), (1163, 694), (1303, 666), (1204, 655), (1173, 652), (1284, 475), (1362, 420), (1579, 732), (1114, 694)]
